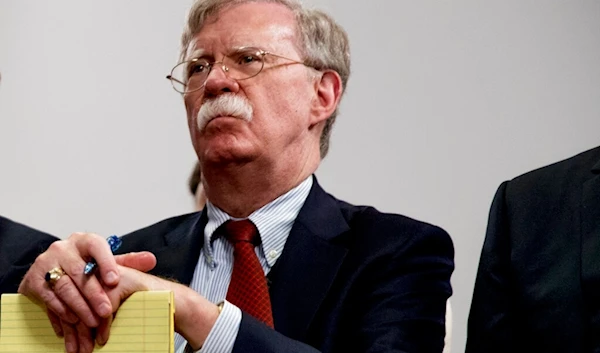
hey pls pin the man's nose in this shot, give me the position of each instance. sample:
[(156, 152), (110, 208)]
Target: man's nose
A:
[(218, 80)]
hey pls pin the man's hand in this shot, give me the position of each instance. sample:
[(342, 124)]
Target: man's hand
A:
[(194, 315), (78, 302), (75, 296), (79, 337)]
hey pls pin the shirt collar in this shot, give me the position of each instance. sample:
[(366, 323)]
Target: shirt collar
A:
[(274, 220)]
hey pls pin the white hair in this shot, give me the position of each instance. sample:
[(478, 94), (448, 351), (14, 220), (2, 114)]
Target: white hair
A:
[(224, 105)]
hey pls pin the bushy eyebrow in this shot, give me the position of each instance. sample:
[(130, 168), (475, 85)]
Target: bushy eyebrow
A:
[(196, 53), (200, 52)]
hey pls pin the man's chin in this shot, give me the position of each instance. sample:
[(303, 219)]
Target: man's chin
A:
[(226, 150), (227, 159)]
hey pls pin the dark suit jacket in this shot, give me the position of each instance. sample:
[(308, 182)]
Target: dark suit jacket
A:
[(350, 279), (538, 283), (19, 246)]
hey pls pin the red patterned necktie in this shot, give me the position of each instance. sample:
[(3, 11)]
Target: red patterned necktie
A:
[(248, 287)]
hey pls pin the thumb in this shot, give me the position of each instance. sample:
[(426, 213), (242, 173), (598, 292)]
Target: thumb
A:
[(142, 261)]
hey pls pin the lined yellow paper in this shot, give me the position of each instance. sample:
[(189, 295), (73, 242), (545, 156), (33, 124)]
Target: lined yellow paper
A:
[(144, 323)]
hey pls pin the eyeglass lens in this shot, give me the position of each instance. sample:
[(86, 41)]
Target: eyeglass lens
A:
[(191, 75)]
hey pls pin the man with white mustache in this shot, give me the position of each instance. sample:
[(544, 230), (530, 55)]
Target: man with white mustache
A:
[(224, 105), (273, 263)]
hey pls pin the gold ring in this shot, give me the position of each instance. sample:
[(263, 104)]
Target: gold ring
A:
[(53, 276)]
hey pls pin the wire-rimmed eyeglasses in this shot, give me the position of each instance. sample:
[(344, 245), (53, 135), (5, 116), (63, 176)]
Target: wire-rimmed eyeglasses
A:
[(247, 62)]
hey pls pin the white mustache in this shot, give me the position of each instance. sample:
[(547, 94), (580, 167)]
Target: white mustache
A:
[(224, 105)]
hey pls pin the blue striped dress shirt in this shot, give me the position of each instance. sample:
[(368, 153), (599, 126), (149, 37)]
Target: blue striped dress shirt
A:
[(213, 271)]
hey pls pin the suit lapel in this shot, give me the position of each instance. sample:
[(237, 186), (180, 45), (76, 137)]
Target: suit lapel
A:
[(177, 259), (308, 265)]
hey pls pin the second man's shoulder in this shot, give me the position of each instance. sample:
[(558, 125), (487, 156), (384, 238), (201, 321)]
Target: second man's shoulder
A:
[(570, 171)]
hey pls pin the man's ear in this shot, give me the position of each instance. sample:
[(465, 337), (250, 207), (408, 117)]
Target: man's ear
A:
[(328, 88)]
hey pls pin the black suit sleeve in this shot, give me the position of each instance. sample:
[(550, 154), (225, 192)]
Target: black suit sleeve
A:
[(490, 326), (19, 247), (405, 312), (255, 336)]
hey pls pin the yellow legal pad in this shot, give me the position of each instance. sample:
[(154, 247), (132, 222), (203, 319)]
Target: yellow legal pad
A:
[(144, 323)]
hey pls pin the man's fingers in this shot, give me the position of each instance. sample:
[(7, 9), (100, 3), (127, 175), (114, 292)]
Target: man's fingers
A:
[(72, 296), (103, 331), (55, 322), (70, 334), (80, 293), (84, 338), (142, 261), (98, 249), (85, 289), (88, 246), (35, 287), (68, 293)]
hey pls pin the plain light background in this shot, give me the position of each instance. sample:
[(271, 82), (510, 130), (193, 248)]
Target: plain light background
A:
[(446, 100)]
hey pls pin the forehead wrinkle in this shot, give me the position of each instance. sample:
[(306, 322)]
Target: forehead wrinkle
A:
[(260, 33), (275, 43), (282, 35)]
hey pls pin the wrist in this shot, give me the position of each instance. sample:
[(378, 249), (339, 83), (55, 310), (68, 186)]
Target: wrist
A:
[(195, 317)]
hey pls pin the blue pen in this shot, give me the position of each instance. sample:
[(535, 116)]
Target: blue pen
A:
[(114, 242)]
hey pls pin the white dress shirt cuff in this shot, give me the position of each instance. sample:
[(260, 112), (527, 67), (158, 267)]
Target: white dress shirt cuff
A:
[(221, 337)]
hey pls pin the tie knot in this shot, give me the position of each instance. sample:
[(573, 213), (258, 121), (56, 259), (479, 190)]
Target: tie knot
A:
[(243, 230)]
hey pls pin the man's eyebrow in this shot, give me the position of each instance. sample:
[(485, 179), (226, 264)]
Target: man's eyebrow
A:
[(200, 52), (196, 53), (242, 48)]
